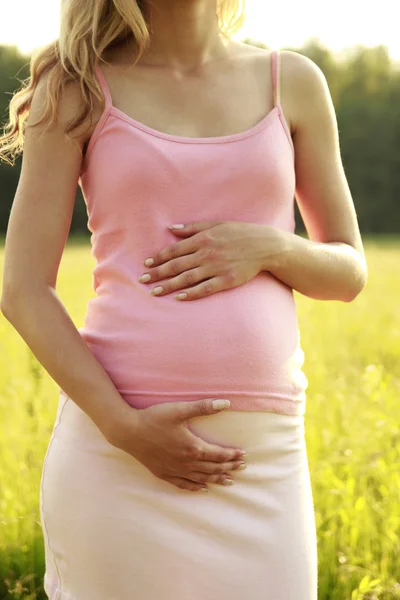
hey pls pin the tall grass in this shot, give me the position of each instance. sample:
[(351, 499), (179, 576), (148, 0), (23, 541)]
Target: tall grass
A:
[(353, 436)]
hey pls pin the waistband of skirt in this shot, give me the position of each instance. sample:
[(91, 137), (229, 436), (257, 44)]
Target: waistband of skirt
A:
[(239, 401)]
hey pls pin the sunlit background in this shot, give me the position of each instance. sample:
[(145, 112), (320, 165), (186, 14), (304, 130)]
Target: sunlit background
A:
[(338, 24), (352, 352)]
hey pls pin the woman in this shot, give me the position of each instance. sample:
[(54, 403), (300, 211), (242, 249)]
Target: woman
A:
[(169, 121)]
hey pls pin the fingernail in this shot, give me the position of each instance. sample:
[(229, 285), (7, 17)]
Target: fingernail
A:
[(242, 452), (220, 404), (156, 290), (244, 466), (148, 262), (181, 296), (203, 490), (228, 482), (178, 226), (145, 277)]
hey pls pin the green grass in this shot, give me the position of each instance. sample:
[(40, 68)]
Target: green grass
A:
[(352, 418)]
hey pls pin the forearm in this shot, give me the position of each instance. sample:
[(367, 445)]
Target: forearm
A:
[(323, 271), (42, 321)]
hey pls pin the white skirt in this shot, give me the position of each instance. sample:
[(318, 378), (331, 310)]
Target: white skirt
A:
[(114, 531)]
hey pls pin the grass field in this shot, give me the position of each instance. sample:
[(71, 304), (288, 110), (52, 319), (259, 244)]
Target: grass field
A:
[(352, 418)]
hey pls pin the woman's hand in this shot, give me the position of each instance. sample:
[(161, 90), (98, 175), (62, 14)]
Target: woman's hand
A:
[(217, 255), (159, 438)]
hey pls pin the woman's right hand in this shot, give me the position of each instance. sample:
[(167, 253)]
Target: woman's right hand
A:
[(159, 438)]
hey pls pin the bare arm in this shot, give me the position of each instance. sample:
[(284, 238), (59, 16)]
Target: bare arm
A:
[(331, 264), (37, 232)]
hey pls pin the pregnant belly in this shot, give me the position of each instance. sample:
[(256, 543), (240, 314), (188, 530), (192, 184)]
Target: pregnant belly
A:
[(238, 342)]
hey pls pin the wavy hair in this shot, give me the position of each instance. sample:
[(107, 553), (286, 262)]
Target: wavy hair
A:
[(87, 29)]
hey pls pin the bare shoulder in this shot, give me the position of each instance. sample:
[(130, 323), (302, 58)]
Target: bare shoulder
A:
[(258, 57), (295, 70), (304, 88), (69, 107)]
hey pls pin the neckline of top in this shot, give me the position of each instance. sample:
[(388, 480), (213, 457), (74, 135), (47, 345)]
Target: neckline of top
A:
[(196, 140), (116, 112)]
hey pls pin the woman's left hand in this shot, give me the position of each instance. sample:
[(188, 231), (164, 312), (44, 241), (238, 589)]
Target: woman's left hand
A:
[(216, 256)]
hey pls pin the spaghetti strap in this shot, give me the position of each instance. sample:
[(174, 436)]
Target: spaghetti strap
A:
[(276, 76), (103, 85)]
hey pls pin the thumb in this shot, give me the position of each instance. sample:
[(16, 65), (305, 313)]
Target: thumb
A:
[(197, 408)]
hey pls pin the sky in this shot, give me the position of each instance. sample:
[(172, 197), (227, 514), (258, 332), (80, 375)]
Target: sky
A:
[(338, 24)]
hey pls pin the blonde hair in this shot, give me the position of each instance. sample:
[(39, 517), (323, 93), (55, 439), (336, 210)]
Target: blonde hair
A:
[(87, 29)]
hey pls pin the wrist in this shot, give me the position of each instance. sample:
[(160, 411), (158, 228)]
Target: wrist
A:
[(278, 246), (121, 424)]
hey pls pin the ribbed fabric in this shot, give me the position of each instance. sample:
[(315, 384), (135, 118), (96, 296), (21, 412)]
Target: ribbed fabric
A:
[(242, 344)]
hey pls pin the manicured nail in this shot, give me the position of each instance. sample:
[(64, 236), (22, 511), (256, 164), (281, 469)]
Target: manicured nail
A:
[(220, 404), (181, 296), (148, 262), (145, 277), (178, 226), (156, 290)]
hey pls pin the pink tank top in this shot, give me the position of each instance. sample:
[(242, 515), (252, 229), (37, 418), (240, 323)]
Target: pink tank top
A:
[(242, 344)]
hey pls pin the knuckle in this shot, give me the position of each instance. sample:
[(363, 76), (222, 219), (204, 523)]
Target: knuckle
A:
[(184, 455), (189, 278), (203, 407), (219, 469), (170, 251), (220, 457), (177, 410), (208, 287), (203, 254), (175, 267), (219, 477), (197, 452), (227, 456), (210, 253), (187, 455), (175, 250), (201, 454), (228, 467), (230, 276), (207, 237)]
